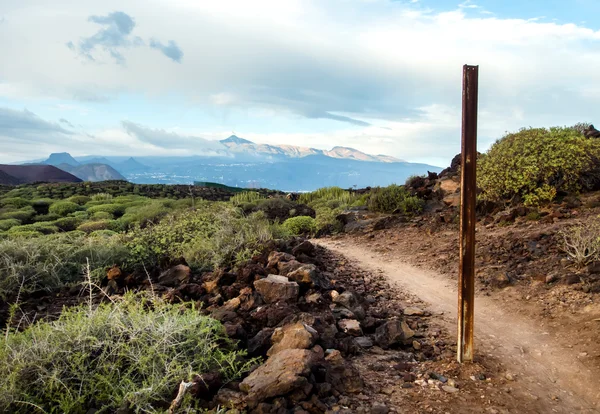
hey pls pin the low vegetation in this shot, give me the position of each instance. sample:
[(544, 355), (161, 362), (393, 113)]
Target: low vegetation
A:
[(534, 165), (582, 242), (128, 355)]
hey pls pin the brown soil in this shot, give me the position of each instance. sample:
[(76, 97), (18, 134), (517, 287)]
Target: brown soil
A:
[(543, 333)]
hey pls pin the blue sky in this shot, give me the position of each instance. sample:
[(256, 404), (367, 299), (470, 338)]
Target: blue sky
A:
[(378, 75)]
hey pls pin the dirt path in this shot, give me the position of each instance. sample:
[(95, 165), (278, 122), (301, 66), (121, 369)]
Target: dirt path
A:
[(548, 370)]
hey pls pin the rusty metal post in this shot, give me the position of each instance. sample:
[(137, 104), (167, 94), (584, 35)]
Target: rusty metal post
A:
[(466, 276)]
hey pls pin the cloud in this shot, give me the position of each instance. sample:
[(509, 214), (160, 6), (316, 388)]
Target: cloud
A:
[(313, 66), (64, 121), (116, 35), (172, 51), (27, 126), (171, 140)]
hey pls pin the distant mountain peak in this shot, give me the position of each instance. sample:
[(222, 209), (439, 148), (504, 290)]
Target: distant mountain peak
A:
[(234, 139), (57, 158)]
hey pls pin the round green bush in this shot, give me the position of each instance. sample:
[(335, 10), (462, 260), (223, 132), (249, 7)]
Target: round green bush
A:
[(101, 215), (22, 215), (64, 208), (46, 217), (42, 227), (536, 163), (68, 223), (79, 199), (301, 225), (16, 202), (8, 223), (92, 226), (116, 210)]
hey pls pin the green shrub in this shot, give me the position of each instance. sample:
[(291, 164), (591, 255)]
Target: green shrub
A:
[(116, 210), (30, 261), (91, 226), (327, 194), (8, 224), (145, 214), (23, 215), (394, 198), (101, 215), (83, 215), (103, 233), (102, 197), (79, 199), (245, 197), (64, 208), (537, 163), (216, 234), (46, 217), (68, 223), (22, 234), (129, 354), (301, 225), (42, 227), (15, 202)]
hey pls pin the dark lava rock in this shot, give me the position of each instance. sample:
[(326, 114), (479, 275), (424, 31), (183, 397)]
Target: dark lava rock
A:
[(175, 276)]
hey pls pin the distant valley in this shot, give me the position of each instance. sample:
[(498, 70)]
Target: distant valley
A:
[(245, 164)]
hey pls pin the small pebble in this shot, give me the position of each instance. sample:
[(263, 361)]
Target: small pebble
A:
[(449, 389)]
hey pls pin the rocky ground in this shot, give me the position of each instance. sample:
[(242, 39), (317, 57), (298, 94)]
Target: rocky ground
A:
[(332, 337)]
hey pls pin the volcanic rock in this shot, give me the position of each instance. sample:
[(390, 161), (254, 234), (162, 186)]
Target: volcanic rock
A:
[(295, 336), (281, 374), (276, 288), (393, 332), (350, 326), (175, 276)]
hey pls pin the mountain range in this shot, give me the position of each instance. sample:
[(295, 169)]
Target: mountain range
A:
[(246, 164)]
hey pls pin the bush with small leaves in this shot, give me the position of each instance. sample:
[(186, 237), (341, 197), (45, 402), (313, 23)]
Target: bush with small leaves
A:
[(91, 226), (7, 224), (15, 202), (537, 163), (115, 210), (64, 208), (23, 215), (79, 199), (68, 223), (301, 225)]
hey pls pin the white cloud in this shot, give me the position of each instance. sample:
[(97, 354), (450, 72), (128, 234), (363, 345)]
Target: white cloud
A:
[(389, 64)]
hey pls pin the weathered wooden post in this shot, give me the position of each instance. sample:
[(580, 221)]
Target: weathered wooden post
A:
[(468, 200)]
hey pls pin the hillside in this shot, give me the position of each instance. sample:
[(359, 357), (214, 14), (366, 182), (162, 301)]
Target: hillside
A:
[(92, 172), (38, 173), (6, 179)]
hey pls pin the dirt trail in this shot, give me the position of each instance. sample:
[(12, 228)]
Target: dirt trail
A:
[(548, 370)]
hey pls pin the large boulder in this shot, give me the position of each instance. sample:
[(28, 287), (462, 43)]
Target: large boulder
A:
[(393, 332), (275, 288), (294, 336), (284, 372), (175, 276)]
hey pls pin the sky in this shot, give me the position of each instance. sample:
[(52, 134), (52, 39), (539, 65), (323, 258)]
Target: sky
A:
[(170, 77)]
